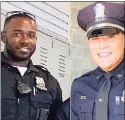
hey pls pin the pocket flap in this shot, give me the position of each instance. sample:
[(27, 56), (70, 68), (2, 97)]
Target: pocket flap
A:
[(8, 93), (87, 106), (41, 96)]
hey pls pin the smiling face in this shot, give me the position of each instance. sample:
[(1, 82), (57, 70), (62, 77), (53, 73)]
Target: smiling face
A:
[(107, 51), (19, 38)]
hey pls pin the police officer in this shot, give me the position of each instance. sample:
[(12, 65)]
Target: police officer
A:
[(99, 94), (28, 92), (64, 111)]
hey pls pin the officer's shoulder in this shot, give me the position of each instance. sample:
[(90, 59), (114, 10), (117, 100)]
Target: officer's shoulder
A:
[(84, 78), (86, 74), (43, 70)]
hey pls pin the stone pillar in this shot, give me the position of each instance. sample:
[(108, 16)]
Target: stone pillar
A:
[(81, 61)]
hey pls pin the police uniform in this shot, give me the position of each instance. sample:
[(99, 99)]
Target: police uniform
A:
[(34, 96), (85, 89)]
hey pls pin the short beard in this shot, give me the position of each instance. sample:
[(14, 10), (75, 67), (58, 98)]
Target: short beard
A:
[(14, 57)]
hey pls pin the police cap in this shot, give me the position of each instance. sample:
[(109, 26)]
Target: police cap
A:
[(102, 18)]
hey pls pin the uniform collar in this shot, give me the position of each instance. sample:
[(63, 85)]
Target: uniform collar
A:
[(98, 72), (118, 72), (30, 66)]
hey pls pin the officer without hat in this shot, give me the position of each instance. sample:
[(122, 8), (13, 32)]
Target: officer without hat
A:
[(28, 92)]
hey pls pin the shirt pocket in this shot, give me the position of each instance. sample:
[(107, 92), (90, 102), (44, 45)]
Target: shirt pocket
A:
[(118, 111), (86, 109), (42, 99)]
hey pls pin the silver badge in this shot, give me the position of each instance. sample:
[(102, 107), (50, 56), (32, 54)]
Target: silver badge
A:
[(99, 12), (40, 84)]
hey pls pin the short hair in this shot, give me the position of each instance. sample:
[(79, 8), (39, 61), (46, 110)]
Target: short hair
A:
[(8, 19)]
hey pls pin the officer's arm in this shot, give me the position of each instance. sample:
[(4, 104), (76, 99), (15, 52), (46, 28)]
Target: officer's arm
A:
[(64, 112), (57, 100), (61, 114), (74, 112)]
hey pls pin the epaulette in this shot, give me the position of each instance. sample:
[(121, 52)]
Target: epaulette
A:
[(85, 74), (88, 73), (41, 67)]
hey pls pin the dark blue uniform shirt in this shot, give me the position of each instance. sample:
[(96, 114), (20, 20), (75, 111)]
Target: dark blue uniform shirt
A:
[(85, 89)]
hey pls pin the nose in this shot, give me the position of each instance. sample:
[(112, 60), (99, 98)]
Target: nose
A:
[(24, 39), (102, 42)]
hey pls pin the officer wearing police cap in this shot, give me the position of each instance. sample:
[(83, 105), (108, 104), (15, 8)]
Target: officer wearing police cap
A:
[(99, 94)]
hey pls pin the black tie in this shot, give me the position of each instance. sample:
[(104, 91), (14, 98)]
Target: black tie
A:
[(102, 99)]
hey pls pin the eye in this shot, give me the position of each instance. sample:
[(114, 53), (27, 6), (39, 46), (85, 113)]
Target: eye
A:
[(32, 36), (17, 34)]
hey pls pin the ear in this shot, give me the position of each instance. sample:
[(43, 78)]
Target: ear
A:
[(3, 36)]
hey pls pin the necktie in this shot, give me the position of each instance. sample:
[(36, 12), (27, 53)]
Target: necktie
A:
[(102, 99)]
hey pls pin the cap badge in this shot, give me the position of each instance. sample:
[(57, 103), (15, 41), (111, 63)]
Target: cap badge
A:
[(99, 12)]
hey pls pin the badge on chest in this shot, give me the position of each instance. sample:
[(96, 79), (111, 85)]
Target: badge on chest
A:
[(40, 84)]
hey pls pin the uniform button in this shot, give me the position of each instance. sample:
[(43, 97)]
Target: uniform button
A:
[(21, 116), (22, 102)]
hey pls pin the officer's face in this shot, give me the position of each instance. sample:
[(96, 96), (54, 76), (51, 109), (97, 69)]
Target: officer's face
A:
[(107, 51), (19, 38)]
